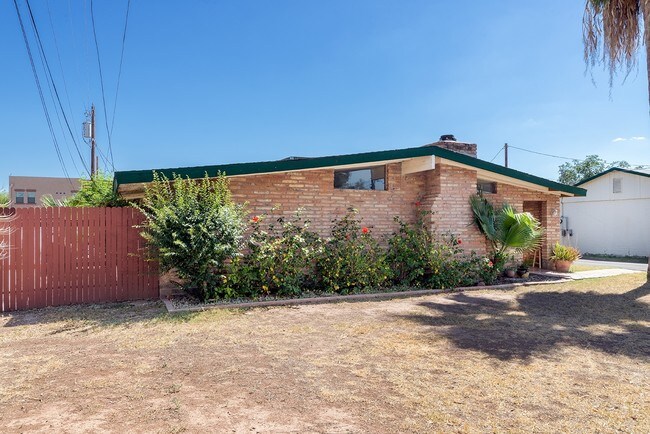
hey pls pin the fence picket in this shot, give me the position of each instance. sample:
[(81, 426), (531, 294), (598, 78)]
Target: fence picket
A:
[(66, 255)]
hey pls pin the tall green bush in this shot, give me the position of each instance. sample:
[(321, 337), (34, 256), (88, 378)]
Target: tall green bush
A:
[(194, 227), (95, 191)]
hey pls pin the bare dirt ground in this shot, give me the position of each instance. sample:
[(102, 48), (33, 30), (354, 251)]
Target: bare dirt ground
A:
[(572, 357)]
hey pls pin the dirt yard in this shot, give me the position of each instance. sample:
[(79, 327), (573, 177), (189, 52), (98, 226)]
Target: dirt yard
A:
[(556, 358)]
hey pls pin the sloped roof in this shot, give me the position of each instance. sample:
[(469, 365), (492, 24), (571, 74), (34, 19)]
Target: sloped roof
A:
[(145, 176), (642, 172)]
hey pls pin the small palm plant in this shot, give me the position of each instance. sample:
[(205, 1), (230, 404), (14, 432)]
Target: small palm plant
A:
[(506, 229)]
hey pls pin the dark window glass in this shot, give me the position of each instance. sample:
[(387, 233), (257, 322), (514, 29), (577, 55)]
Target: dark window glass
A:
[(371, 178), (486, 187), (31, 197), (20, 197)]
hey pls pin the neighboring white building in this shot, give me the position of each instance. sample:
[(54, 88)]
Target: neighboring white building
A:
[(614, 217)]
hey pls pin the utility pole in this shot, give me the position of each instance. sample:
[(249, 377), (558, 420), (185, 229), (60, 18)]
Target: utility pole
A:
[(93, 158), (505, 147)]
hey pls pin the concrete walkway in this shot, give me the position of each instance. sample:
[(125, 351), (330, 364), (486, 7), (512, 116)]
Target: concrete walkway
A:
[(610, 264), (591, 274)]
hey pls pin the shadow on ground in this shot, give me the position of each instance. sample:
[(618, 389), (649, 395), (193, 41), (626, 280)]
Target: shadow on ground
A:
[(535, 323), (87, 317)]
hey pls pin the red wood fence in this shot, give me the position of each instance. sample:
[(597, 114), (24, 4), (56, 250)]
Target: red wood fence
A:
[(56, 256)]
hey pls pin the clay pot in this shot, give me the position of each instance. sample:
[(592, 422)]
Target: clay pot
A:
[(563, 266), (510, 273)]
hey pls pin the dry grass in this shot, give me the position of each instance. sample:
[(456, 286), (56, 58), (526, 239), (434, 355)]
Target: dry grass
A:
[(571, 358)]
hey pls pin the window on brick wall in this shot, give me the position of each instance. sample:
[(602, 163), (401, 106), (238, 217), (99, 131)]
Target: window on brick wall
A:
[(31, 197), (20, 196), (369, 178), (486, 187)]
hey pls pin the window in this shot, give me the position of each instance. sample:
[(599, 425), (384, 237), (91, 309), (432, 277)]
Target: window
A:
[(31, 197), (486, 187), (20, 196), (616, 185), (370, 178)]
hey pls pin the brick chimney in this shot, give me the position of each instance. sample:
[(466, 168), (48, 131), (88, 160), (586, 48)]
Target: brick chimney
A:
[(448, 141)]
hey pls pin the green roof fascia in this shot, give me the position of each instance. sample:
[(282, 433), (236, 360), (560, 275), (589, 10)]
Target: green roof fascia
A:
[(144, 176), (632, 172)]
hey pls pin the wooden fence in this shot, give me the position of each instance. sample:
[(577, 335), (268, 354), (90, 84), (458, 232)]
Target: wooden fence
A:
[(57, 256)]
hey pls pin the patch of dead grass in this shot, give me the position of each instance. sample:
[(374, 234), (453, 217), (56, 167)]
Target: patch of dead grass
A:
[(572, 357)]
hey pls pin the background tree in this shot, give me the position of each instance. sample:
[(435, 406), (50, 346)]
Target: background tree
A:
[(572, 172), (612, 33), (5, 200), (95, 191)]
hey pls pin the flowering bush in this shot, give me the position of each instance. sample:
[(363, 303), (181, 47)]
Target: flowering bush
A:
[(351, 258), (279, 261)]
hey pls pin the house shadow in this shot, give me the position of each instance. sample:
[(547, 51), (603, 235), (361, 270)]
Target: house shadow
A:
[(535, 323), (83, 318)]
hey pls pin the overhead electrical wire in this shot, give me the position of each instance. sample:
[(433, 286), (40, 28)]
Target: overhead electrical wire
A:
[(40, 93), (101, 80), (497, 154), (561, 157), (49, 73), (119, 73)]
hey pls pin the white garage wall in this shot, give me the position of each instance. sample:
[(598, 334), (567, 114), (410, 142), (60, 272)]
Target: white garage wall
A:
[(607, 222)]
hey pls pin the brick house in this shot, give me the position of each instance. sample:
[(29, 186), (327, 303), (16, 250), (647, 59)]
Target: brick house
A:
[(440, 176)]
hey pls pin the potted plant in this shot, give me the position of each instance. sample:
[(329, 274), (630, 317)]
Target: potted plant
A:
[(563, 256), (510, 272)]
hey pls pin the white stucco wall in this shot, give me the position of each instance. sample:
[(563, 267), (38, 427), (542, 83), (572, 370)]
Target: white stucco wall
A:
[(607, 222)]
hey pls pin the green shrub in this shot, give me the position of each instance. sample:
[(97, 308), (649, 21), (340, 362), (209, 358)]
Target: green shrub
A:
[(193, 226), (409, 252), (565, 253), (280, 261), (351, 258), (95, 191)]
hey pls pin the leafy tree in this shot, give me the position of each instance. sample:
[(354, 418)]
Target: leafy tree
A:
[(613, 33), (95, 191), (5, 200), (572, 172), (194, 227)]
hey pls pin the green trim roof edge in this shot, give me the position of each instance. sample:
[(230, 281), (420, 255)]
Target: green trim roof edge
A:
[(144, 176), (619, 169)]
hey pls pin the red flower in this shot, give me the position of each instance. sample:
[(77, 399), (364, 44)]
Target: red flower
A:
[(490, 264), (365, 230), (418, 203), (255, 219), (459, 241)]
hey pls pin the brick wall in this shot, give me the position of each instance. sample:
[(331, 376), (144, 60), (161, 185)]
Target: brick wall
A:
[(445, 191), (314, 191)]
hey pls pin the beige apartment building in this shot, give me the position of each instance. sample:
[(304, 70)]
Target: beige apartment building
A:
[(27, 191)]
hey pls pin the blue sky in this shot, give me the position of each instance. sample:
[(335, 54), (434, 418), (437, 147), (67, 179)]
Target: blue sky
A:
[(209, 82)]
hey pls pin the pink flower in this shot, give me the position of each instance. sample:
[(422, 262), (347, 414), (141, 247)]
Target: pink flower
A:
[(490, 264), (365, 230), (418, 203)]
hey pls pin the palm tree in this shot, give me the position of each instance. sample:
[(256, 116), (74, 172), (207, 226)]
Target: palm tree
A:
[(612, 34), (506, 229)]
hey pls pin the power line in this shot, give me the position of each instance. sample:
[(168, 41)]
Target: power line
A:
[(101, 80), (119, 74), (497, 154), (561, 157), (40, 93), (49, 73)]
